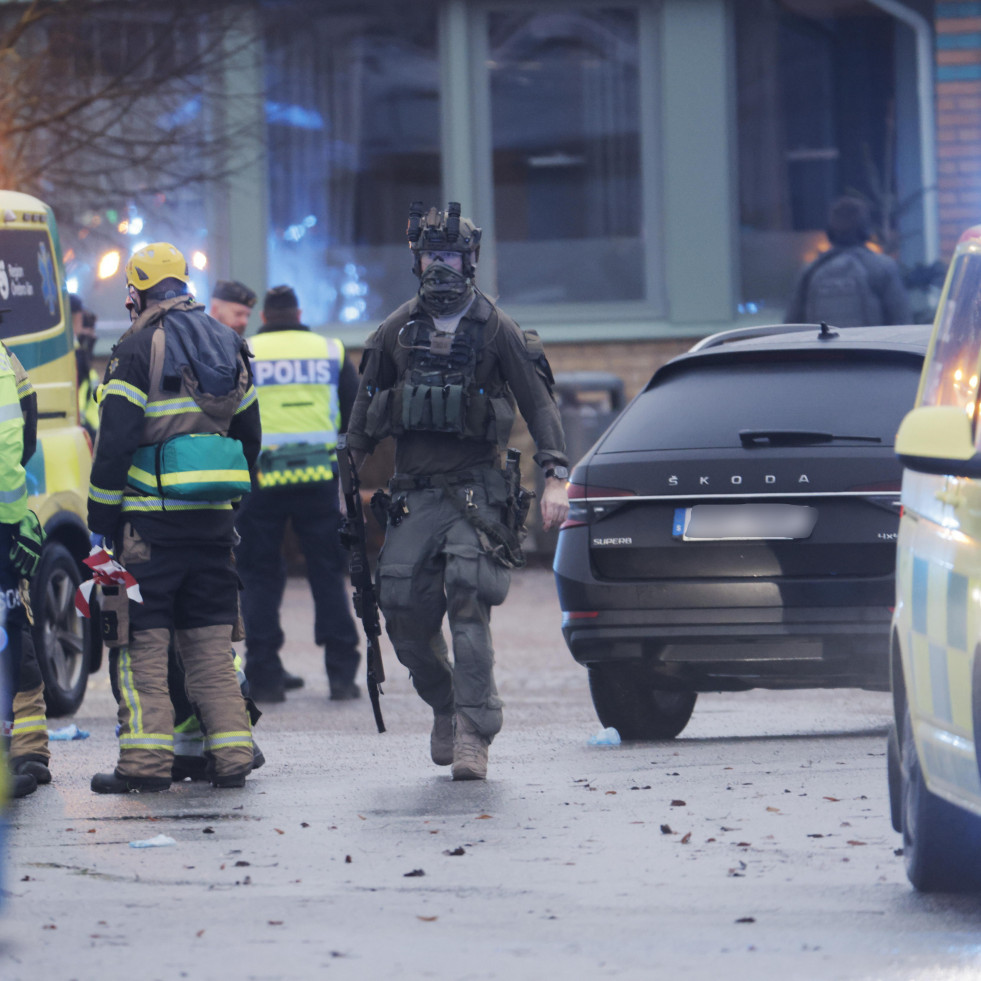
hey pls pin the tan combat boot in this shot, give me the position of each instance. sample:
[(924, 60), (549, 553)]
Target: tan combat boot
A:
[(441, 740), (469, 751)]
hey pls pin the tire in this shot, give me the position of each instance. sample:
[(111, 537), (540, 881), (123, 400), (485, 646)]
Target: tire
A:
[(939, 839), (894, 776), (61, 638), (625, 698)]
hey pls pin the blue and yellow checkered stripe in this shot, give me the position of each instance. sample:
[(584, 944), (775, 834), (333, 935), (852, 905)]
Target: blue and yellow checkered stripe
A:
[(942, 606)]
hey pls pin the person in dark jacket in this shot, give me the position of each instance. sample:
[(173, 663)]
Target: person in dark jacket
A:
[(442, 375), (850, 285), (179, 435)]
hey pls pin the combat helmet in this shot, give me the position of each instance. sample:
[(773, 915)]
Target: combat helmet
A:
[(442, 231)]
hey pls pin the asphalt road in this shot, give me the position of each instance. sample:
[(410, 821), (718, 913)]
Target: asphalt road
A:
[(757, 845)]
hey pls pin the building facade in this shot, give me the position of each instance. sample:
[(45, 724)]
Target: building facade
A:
[(645, 171)]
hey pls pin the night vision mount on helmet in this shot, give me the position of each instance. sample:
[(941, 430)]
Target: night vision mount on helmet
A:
[(442, 231)]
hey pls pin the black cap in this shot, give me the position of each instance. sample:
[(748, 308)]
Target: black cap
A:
[(75, 302), (280, 300), (232, 291)]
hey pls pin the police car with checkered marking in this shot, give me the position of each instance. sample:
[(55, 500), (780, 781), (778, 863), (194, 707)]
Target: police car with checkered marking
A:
[(934, 748)]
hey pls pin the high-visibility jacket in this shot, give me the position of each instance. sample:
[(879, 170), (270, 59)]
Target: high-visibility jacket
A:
[(296, 375), (13, 479), (175, 372)]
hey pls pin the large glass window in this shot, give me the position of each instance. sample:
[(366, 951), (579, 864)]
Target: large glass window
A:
[(353, 136), (817, 104), (565, 119)]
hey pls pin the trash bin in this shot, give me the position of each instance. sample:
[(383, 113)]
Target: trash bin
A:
[(588, 402)]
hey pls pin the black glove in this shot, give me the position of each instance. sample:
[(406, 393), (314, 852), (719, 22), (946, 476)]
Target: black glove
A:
[(25, 549)]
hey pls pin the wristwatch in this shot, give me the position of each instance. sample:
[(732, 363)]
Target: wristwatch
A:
[(561, 473)]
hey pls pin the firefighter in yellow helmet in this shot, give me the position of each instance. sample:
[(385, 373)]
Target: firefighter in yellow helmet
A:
[(179, 435)]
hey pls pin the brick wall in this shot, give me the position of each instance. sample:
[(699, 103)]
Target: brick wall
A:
[(958, 87)]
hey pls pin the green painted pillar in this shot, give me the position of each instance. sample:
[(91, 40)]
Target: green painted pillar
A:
[(699, 158)]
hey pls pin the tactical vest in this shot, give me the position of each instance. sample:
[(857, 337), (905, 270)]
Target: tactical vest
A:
[(198, 382), (13, 480), (296, 376), (437, 389)]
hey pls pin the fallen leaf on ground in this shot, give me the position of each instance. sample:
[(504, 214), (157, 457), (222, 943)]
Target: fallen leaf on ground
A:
[(835, 799), (857, 843), (774, 810), (279, 831), (746, 919), (686, 838), (427, 919), (414, 874), (347, 859), (666, 829), (483, 817), (275, 922), (454, 851), (678, 803)]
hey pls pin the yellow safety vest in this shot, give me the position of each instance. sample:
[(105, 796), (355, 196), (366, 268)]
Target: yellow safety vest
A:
[(13, 479), (296, 376)]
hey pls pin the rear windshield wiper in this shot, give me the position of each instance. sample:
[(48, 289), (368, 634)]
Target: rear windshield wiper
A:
[(796, 437)]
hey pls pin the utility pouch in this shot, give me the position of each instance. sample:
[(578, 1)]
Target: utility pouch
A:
[(295, 463), (114, 615), (192, 467), (381, 502)]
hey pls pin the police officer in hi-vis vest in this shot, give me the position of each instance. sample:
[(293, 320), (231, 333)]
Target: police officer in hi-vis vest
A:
[(306, 388), (179, 435)]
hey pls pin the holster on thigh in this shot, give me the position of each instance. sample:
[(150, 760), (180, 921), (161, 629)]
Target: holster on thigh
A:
[(212, 685), (30, 736), (145, 713)]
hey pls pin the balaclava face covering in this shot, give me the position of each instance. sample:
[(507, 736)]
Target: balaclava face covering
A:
[(443, 290)]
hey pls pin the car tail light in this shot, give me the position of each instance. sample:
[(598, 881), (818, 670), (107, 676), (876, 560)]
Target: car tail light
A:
[(580, 615), (579, 502)]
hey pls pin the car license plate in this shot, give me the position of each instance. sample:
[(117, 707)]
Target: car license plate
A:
[(743, 522)]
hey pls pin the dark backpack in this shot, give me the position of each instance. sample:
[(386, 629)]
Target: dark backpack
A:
[(839, 289)]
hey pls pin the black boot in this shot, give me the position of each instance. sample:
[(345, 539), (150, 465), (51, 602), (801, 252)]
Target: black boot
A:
[(230, 780), (35, 764), (22, 784), (112, 783)]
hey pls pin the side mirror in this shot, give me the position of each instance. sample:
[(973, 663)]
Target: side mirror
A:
[(938, 439)]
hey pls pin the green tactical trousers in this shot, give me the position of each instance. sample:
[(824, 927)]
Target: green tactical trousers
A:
[(432, 565)]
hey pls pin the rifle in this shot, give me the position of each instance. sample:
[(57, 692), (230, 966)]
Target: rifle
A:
[(353, 538)]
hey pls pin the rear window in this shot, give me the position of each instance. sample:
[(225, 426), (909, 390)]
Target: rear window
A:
[(706, 405), (28, 286)]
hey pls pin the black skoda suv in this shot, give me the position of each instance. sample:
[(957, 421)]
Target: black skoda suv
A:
[(736, 526)]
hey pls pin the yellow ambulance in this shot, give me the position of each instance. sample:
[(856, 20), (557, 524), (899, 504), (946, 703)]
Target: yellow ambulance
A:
[(36, 324), (933, 749)]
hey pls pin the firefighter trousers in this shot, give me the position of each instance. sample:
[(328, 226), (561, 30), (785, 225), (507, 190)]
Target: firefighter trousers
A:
[(194, 592)]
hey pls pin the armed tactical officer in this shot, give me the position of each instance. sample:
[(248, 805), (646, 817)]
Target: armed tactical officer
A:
[(179, 435), (442, 375)]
